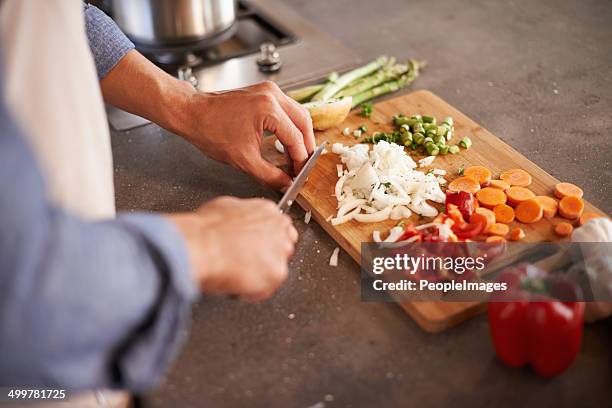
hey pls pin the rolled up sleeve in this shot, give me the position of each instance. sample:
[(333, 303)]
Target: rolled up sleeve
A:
[(84, 304), (107, 42)]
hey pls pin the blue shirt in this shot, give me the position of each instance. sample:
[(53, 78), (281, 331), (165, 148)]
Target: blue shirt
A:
[(84, 304)]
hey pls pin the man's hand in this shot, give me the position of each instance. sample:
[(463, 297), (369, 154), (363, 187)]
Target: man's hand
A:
[(229, 126), (238, 247)]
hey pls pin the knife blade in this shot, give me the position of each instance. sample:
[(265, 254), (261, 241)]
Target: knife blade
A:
[(292, 192)]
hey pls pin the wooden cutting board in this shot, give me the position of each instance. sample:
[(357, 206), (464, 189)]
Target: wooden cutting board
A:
[(487, 150)]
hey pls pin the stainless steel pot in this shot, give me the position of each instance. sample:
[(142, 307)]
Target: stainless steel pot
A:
[(173, 22)]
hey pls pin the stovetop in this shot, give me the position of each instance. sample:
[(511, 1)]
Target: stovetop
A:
[(305, 53)]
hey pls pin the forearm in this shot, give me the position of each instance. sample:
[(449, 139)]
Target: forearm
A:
[(137, 86)]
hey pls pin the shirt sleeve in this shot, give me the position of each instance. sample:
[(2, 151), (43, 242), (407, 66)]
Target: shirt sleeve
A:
[(83, 304), (107, 42)]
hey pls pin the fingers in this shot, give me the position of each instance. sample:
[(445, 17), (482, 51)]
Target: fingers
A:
[(267, 173), (292, 124), (289, 135), (302, 120)]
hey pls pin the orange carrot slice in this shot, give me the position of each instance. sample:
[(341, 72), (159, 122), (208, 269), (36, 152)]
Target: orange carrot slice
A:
[(499, 229), (549, 206), (501, 184), (564, 229), (488, 214), (495, 239), (588, 216), (489, 197), (479, 173), (517, 195), (563, 190), (517, 234), (516, 177), (529, 211), (504, 213), (571, 207), (469, 184)]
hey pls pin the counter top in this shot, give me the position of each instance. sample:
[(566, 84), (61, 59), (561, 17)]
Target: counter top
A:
[(538, 75)]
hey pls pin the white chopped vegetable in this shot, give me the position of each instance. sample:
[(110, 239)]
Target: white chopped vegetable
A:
[(383, 183), (357, 132), (333, 260), (307, 217), (426, 161), (394, 234), (346, 131), (340, 170), (279, 146), (438, 172), (376, 236)]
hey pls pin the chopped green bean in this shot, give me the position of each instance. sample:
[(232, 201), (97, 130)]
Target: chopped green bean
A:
[(453, 149), (366, 109), (418, 138), (443, 149), (429, 119), (466, 142)]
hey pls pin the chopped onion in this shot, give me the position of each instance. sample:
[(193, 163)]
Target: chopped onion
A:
[(279, 146), (426, 161), (376, 236), (333, 260), (383, 183), (374, 217), (340, 170), (394, 234), (307, 217)]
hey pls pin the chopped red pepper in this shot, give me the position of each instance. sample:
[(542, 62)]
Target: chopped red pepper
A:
[(535, 328), (463, 200)]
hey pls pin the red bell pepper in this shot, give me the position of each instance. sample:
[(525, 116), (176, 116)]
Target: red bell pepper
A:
[(534, 327), (463, 200)]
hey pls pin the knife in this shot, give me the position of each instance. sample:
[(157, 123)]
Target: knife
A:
[(292, 192)]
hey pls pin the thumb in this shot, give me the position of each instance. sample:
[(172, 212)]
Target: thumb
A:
[(268, 174)]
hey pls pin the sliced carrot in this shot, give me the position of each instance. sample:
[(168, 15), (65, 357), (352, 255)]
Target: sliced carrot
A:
[(517, 195), (479, 173), (517, 234), (489, 197), (501, 184), (516, 177), (549, 206), (504, 213), (529, 211), (464, 183), (563, 190), (571, 207), (564, 229), (499, 229), (495, 239), (484, 212), (588, 216)]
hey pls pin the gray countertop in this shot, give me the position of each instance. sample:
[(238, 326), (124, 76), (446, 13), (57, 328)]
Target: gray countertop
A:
[(538, 75)]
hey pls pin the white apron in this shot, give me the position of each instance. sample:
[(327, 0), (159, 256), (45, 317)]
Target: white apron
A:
[(53, 93)]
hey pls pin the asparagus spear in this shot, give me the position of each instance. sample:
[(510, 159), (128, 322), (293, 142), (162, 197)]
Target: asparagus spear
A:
[(343, 80), (390, 86), (379, 77), (304, 94)]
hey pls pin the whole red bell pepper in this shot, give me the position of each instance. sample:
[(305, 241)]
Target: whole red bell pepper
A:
[(534, 327)]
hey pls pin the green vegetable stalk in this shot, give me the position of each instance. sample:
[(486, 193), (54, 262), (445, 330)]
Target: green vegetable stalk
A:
[(390, 86), (379, 77), (332, 88), (304, 94)]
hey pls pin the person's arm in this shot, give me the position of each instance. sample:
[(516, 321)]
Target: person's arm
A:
[(105, 304), (227, 126)]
